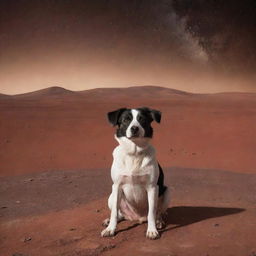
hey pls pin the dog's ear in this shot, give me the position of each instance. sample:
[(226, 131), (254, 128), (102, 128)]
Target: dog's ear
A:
[(156, 115), (114, 116)]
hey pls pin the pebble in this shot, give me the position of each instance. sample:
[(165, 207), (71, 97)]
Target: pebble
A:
[(29, 180), (27, 239)]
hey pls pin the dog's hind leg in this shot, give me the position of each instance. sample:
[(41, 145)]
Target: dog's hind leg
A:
[(165, 200), (120, 218), (163, 203)]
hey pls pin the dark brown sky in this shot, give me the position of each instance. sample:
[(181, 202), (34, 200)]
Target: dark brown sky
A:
[(194, 45)]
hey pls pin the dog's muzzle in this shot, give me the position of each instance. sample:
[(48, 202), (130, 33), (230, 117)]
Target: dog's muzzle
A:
[(135, 131)]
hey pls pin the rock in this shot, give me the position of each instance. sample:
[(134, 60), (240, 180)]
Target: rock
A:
[(29, 180), (108, 247), (27, 239)]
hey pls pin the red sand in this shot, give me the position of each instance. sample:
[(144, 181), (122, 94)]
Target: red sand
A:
[(56, 129)]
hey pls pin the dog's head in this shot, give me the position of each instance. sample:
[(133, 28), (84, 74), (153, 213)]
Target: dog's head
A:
[(134, 123)]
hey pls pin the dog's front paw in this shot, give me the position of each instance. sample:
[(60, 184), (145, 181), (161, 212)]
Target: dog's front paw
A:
[(107, 232), (152, 234)]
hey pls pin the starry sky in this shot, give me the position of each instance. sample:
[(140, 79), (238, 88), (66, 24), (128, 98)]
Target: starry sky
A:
[(198, 46)]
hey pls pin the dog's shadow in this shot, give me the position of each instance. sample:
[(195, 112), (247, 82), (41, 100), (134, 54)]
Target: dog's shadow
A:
[(180, 216)]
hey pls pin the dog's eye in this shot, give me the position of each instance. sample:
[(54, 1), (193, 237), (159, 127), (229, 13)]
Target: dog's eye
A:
[(141, 118), (127, 119)]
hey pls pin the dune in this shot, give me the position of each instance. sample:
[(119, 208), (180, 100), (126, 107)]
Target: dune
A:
[(47, 92), (135, 92), (3, 96)]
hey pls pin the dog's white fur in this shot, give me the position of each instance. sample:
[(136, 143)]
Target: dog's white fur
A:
[(135, 174), (134, 123)]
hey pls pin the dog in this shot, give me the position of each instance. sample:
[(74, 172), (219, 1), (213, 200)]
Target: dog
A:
[(138, 190)]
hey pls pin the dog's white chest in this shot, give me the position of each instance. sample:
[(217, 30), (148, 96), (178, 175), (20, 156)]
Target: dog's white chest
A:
[(134, 179), (134, 169), (132, 164)]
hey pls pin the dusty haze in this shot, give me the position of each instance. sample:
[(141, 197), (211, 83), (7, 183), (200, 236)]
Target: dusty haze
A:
[(80, 45)]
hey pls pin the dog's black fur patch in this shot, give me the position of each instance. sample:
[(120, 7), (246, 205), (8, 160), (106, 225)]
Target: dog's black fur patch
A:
[(160, 182), (113, 117), (123, 123)]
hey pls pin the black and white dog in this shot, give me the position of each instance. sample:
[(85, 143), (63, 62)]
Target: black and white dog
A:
[(138, 190)]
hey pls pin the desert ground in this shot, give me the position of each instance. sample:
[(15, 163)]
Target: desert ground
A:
[(56, 152)]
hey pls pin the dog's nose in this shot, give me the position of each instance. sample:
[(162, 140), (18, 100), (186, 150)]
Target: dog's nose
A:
[(134, 129)]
